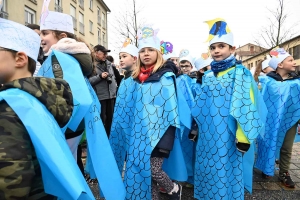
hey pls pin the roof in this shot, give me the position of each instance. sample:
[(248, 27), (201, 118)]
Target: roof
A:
[(251, 45), (104, 5), (268, 50)]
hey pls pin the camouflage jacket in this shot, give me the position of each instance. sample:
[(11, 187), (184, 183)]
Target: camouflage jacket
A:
[(20, 173)]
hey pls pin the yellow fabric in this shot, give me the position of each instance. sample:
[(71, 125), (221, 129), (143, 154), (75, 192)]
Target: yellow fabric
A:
[(240, 135)]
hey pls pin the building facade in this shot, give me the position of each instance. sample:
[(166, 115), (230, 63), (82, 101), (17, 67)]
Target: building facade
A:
[(292, 46), (89, 16), (247, 51)]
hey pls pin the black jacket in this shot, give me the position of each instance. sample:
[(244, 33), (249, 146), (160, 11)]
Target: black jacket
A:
[(277, 77)]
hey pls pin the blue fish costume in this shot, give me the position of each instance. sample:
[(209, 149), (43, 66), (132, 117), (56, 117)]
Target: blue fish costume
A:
[(282, 100), (100, 161), (185, 83), (229, 112)]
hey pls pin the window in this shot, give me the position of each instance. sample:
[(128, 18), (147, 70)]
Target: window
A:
[(99, 36), (99, 16), (73, 14), (103, 39), (81, 23), (103, 20), (296, 52), (3, 13), (29, 16), (91, 26), (58, 2), (81, 3), (4, 6), (91, 4), (58, 6)]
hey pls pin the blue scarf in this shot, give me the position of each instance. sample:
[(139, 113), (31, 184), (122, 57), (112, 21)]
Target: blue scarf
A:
[(223, 65)]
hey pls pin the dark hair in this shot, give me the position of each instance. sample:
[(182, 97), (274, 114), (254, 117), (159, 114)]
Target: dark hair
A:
[(33, 26), (110, 59), (258, 70), (69, 35), (31, 62), (184, 61)]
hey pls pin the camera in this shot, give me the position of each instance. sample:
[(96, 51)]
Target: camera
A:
[(108, 79)]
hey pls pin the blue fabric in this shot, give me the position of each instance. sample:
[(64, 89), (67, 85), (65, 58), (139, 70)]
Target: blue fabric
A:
[(248, 164), (155, 107), (218, 66), (61, 175), (222, 103), (101, 163), (282, 100), (185, 83)]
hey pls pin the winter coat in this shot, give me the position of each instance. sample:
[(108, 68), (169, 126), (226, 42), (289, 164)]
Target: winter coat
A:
[(18, 159), (104, 90)]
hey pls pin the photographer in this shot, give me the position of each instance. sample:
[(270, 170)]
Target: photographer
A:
[(104, 82)]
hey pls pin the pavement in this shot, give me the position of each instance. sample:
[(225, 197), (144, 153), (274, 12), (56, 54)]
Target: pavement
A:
[(263, 189)]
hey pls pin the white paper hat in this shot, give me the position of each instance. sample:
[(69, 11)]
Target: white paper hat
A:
[(219, 32), (278, 55), (18, 37), (129, 48), (185, 55), (147, 37), (56, 21), (265, 64), (203, 61)]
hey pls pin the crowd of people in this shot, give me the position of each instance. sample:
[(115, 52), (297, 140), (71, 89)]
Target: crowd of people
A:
[(169, 122)]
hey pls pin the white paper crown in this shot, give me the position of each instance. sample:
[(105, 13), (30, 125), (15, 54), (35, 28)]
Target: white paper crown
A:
[(185, 55), (265, 64), (219, 32), (278, 55), (170, 55), (57, 21), (129, 48), (18, 37), (147, 37), (203, 61)]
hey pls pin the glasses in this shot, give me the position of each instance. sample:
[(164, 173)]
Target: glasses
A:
[(184, 66)]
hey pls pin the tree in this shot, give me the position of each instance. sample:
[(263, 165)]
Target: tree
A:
[(127, 22), (276, 32)]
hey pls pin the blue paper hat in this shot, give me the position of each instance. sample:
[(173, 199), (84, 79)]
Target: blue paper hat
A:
[(18, 37), (147, 37), (219, 32)]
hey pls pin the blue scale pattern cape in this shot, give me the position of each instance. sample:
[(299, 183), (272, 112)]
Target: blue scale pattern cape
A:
[(101, 163), (155, 108), (282, 100), (184, 82), (60, 173), (122, 120), (222, 103)]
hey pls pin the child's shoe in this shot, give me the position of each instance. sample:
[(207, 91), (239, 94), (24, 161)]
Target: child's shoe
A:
[(175, 194)]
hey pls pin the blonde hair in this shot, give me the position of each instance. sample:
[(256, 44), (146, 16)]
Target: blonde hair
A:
[(158, 64)]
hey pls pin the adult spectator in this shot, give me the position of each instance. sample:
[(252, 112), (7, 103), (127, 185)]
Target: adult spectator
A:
[(104, 82), (117, 73)]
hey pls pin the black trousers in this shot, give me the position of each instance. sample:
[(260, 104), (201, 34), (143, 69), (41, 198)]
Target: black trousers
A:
[(107, 111)]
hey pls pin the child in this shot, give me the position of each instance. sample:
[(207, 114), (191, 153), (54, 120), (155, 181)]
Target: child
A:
[(35, 159), (153, 135), (202, 64), (71, 60), (281, 94), (124, 107), (265, 66), (225, 112), (167, 50), (186, 62)]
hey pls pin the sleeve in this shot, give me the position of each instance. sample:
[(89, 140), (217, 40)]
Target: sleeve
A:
[(16, 156), (95, 79), (117, 75)]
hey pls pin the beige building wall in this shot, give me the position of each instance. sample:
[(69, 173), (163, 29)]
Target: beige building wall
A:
[(92, 28), (292, 46)]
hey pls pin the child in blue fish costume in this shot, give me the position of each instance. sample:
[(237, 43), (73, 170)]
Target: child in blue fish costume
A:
[(281, 92), (70, 59), (229, 119), (153, 153), (36, 162), (124, 107)]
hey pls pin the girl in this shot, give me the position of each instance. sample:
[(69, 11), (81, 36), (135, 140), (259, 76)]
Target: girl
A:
[(71, 60), (225, 112), (153, 135)]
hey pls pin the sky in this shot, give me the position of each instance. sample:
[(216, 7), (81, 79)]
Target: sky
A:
[(181, 22)]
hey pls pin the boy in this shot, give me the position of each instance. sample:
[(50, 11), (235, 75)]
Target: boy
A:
[(32, 146), (265, 67), (281, 95), (186, 62), (226, 99)]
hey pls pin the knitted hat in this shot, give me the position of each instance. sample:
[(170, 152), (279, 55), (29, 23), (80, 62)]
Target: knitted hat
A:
[(18, 37), (278, 55), (219, 32), (129, 48), (147, 38)]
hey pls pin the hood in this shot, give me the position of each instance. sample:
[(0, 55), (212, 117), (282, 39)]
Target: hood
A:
[(78, 50), (55, 94), (168, 66), (277, 77)]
